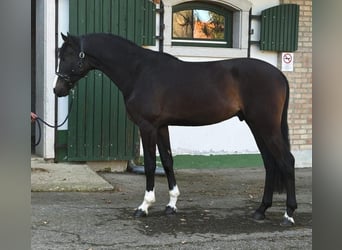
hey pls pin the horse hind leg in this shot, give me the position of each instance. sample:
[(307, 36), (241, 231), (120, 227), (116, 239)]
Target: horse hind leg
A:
[(259, 214), (291, 203), (163, 142), (279, 166), (284, 173)]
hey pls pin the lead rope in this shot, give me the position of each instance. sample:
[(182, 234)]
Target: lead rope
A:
[(40, 120)]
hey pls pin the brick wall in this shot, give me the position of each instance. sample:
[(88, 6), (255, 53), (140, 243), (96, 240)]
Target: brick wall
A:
[(300, 107)]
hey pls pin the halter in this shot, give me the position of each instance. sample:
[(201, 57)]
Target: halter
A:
[(81, 56)]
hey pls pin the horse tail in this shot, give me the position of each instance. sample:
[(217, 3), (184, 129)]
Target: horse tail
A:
[(280, 174), (284, 123)]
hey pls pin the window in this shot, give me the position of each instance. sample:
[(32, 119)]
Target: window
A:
[(201, 24)]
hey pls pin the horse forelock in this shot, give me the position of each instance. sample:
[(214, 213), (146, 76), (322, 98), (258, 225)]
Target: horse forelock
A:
[(71, 42)]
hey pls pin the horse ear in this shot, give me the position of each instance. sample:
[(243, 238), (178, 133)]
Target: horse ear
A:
[(68, 37), (65, 38)]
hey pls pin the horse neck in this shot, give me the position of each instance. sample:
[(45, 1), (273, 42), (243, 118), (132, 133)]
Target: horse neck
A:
[(115, 57)]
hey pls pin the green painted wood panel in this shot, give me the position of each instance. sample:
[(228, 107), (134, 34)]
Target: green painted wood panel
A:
[(99, 128), (279, 28)]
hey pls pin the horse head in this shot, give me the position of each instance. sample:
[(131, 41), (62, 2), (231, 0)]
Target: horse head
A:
[(73, 64)]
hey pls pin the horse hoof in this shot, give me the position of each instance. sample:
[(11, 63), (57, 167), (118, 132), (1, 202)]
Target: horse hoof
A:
[(170, 210), (287, 221), (258, 216), (138, 213)]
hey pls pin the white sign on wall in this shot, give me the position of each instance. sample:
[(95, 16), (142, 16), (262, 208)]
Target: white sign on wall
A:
[(287, 61)]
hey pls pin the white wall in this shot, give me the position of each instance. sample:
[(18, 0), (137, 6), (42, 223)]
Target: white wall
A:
[(231, 136), (63, 26), (45, 75)]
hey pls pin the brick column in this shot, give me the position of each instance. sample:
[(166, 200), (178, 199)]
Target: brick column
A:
[(300, 107)]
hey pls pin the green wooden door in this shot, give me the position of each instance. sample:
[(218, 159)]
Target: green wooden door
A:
[(99, 128)]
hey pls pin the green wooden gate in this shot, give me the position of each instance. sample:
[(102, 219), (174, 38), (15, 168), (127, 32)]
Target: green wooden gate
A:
[(98, 127)]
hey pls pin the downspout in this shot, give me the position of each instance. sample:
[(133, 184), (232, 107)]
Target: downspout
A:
[(160, 37), (250, 32), (56, 65)]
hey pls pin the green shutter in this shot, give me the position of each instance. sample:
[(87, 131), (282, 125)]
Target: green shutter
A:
[(99, 128), (279, 28)]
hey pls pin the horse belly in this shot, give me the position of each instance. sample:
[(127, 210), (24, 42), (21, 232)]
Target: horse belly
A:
[(200, 112)]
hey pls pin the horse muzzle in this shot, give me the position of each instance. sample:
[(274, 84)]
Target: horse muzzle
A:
[(62, 87)]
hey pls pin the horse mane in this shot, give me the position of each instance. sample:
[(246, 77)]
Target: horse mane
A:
[(125, 42), (112, 36)]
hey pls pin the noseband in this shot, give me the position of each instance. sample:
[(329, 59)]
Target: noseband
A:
[(81, 57)]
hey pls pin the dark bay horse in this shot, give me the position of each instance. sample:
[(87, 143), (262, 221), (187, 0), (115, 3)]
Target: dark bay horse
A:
[(160, 90)]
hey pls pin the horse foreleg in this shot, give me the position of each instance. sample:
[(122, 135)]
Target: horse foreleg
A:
[(149, 138), (163, 142)]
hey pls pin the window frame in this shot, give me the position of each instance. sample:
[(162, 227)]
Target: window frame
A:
[(227, 42)]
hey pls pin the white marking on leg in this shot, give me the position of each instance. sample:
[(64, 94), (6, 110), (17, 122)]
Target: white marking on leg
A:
[(174, 193), (287, 217), (149, 199)]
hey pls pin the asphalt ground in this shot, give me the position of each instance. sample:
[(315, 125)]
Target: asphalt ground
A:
[(214, 212)]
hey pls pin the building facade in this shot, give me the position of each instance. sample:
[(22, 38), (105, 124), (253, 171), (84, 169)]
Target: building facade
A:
[(229, 137)]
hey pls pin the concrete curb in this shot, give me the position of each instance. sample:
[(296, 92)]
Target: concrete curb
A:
[(65, 177)]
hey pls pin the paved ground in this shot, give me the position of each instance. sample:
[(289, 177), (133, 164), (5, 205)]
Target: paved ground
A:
[(214, 212), (48, 176)]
